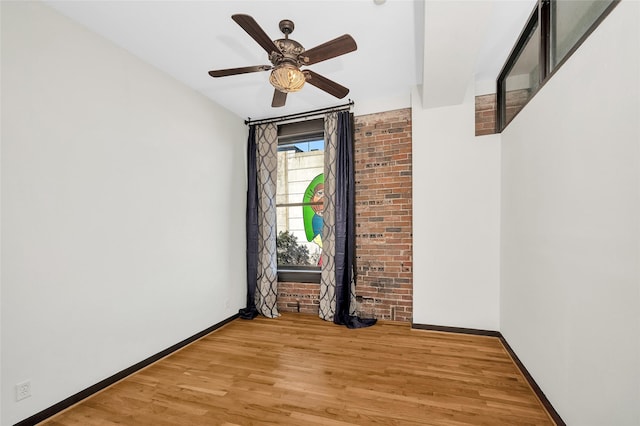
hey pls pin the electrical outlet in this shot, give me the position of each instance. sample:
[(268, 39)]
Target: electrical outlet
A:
[(23, 390)]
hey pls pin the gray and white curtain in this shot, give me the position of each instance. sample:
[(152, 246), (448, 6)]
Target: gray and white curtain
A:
[(267, 171), (262, 264), (327, 309)]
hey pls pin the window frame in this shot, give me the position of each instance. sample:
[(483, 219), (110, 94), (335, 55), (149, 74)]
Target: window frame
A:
[(533, 22), (542, 15), (291, 133)]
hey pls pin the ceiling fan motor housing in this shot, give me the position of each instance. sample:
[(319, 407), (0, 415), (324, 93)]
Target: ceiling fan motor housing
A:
[(290, 51)]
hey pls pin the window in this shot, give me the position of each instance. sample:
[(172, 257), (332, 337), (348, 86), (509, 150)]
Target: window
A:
[(570, 21), (522, 78), (555, 29), (300, 200)]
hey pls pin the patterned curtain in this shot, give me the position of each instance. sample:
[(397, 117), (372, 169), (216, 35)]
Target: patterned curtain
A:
[(337, 285), (327, 308), (267, 170)]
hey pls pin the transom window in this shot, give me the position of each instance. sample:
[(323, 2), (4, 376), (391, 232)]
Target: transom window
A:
[(555, 29)]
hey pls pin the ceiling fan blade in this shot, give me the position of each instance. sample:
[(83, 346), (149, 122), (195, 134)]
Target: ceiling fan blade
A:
[(242, 70), (323, 83), (279, 98), (256, 32), (331, 49)]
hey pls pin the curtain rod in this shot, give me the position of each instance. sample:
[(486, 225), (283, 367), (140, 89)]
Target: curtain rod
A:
[(307, 114)]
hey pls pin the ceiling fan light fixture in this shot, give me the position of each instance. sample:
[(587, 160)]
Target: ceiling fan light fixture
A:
[(287, 78)]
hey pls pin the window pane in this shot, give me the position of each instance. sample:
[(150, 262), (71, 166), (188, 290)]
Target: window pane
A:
[(298, 164), (523, 79), (571, 20), (300, 205), (294, 249)]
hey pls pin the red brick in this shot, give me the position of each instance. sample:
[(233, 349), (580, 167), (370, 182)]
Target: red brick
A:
[(383, 169)]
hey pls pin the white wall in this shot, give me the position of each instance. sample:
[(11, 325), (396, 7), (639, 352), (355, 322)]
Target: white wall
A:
[(1, 97), (456, 218), (122, 209), (384, 103), (570, 299)]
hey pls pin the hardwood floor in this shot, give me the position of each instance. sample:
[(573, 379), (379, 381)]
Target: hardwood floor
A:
[(301, 370)]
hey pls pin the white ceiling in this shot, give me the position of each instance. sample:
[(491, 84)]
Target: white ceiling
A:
[(401, 44)]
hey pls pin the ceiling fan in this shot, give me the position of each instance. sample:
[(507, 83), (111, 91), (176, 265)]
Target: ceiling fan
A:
[(287, 56)]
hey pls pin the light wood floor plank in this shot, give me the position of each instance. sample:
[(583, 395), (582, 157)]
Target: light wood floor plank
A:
[(300, 370)]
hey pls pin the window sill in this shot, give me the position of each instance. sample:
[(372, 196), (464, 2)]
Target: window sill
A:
[(299, 276)]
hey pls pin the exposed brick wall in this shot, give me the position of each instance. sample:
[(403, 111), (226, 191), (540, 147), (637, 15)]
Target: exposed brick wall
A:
[(515, 101), (486, 114), (486, 109), (384, 235), (298, 297), (384, 239)]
